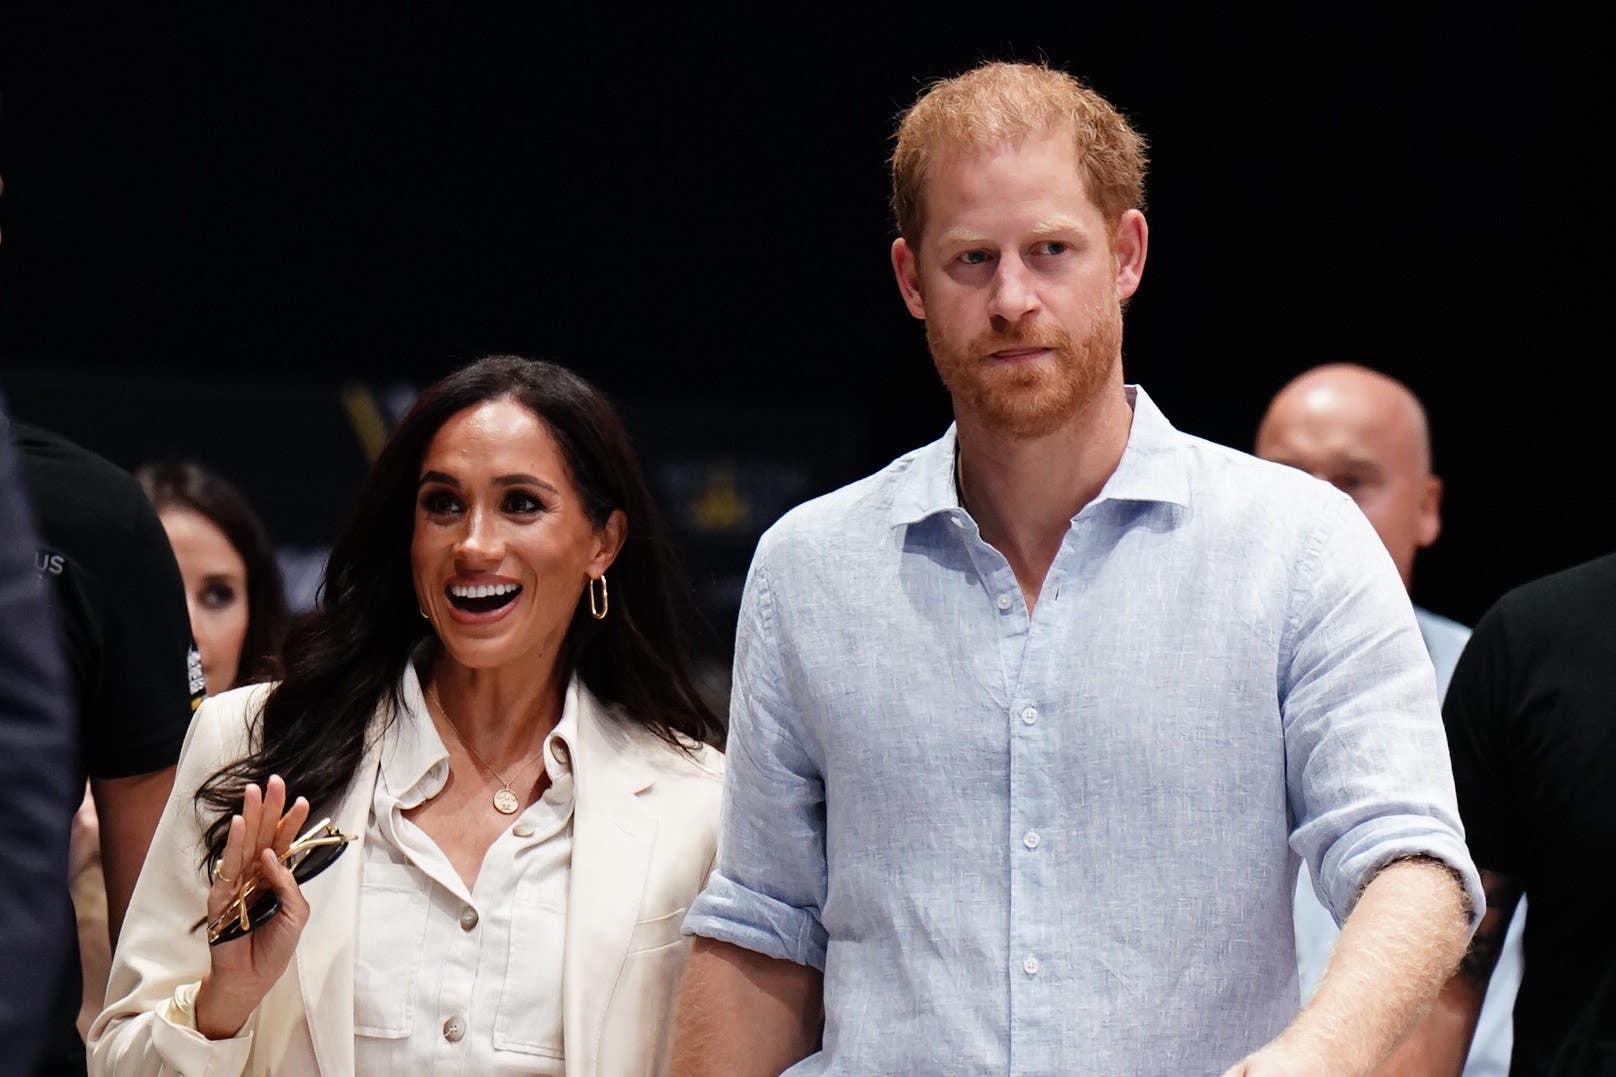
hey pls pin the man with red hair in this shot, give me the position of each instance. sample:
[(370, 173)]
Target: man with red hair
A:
[(1029, 729)]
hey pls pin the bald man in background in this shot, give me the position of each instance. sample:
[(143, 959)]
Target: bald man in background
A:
[(1366, 434)]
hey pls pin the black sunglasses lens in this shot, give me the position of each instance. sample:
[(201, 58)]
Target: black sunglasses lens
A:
[(309, 863)]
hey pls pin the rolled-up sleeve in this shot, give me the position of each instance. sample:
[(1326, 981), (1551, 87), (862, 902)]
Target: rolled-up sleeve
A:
[(769, 883), (1367, 767)]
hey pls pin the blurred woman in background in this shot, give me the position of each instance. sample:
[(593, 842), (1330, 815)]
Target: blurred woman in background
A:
[(232, 584), (238, 619)]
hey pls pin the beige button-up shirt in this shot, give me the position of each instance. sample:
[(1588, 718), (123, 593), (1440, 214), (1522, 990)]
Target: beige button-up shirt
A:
[(455, 981)]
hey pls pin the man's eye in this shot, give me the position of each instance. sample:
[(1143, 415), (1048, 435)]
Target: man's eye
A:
[(974, 258), (1054, 246)]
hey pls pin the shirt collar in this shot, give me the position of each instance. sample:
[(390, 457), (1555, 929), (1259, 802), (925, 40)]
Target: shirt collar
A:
[(415, 762), (561, 744), (1152, 468)]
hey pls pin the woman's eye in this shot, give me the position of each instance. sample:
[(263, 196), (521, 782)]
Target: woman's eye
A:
[(216, 596), (521, 504), (439, 502)]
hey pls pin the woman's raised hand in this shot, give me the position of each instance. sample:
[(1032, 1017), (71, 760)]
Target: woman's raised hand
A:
[(245, 969)]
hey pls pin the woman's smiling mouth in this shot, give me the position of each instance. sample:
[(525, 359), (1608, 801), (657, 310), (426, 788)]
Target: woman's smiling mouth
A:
[(481, 601)]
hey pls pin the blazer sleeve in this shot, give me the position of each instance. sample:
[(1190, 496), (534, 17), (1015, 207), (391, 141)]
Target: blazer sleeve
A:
[(147, 1027)]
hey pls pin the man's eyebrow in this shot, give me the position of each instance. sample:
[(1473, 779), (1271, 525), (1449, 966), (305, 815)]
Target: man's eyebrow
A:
[(958, 237), (1054, 226), (1050, 226)]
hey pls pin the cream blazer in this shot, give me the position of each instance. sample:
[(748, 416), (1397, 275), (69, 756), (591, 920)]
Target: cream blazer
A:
[(644, 831)]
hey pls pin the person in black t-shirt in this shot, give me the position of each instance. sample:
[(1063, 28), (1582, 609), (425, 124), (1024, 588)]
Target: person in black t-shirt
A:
[(1531, 721), (126, 638)]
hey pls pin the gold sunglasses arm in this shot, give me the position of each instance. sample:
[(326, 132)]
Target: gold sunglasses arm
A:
[(321, 833)]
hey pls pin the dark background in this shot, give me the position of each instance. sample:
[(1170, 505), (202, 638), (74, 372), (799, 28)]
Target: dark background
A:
[(219, 229)]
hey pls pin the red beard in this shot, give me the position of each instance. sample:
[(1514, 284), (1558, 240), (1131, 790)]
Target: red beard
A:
[(1032, 398)]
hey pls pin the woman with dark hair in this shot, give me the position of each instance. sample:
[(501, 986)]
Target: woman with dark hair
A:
[(510, 758), (232, 584)]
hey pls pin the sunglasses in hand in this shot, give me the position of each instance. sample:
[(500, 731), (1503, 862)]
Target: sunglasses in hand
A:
[(254, 903)]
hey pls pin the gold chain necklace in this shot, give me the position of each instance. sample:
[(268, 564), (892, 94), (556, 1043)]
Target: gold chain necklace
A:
[(505, 801)]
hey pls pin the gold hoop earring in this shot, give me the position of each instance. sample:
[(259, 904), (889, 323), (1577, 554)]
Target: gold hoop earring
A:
[(597, 612)]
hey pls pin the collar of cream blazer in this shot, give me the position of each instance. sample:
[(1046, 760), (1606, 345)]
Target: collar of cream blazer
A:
[(613, 834)]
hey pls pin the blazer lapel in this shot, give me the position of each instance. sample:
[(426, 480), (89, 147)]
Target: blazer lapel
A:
[(325, 952), (613, 834)]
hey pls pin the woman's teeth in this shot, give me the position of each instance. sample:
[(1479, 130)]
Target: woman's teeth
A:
[(483, 590), (482, 597)]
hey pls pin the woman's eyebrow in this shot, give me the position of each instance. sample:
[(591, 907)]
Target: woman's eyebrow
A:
[(524, 480), (438, 476)]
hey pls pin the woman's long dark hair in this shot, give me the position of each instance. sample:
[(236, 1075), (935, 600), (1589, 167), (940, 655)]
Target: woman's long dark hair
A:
[(185, 485), (345, 659)]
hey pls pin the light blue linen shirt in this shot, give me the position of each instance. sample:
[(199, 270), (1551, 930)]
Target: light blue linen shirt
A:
[(1316, 929), (1066, 843)]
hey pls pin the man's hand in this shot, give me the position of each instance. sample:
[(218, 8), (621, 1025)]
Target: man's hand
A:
[(1283, 1058)]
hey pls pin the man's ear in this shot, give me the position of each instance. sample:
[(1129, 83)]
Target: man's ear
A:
[(906, 267), (1128, 251), (1430, 512)]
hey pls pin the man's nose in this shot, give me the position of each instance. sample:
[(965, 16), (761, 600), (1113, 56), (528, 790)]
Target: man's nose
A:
[(1013, 296)]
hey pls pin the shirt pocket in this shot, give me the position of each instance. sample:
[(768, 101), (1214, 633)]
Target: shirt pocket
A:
[(393, 907), (529, 1018)]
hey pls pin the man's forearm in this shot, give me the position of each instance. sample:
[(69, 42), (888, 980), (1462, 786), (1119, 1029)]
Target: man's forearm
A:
[(740, 1013), (1439, 1045), (1401, 943)]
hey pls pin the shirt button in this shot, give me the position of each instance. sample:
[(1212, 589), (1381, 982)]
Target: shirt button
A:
[(1030, 841), (558, 748), (958, 520), (454, 1028), (522, 830), (1005, 602), (1029, 715), (468, 918), (1030, 966)]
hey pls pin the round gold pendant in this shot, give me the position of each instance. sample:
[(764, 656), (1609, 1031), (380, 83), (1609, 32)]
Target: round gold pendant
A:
[(505, 802)]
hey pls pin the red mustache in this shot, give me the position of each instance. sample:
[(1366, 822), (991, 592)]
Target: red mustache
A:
[(1052, 337)]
